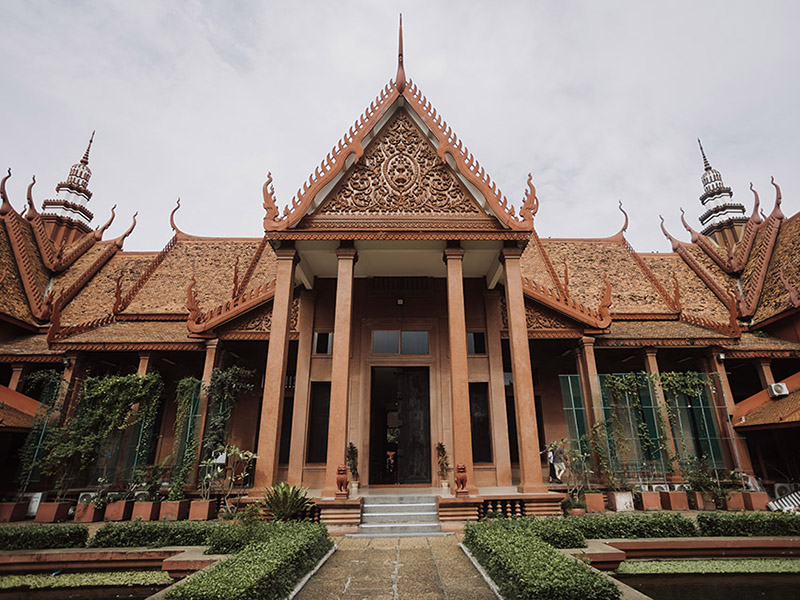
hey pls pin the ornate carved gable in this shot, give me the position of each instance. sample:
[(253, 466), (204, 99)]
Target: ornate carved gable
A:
[(400, 178), (256, 324), (543, 321)]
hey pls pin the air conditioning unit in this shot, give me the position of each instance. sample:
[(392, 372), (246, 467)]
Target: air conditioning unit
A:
[(661, 487), (783, 489), (85, 497), (141, 497), (777, 390), (34, 499), (680, 487)]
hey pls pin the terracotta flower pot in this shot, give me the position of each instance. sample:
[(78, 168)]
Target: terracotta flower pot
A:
[(119, 511), (649, 501), (756, 500), (146, 511), (674, 500), (174, 510), (576, 512), (701, 501), (735, 501), (88, 513), (620, 501), (13, 511), (53, 512), (203, 510), (594, 502)]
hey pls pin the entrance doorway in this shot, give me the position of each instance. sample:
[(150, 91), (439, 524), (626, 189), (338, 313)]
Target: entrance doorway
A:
[(400, 433)]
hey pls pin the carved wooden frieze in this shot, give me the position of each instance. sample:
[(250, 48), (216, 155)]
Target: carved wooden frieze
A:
[(260, 319), (541, 317), (400, 174)]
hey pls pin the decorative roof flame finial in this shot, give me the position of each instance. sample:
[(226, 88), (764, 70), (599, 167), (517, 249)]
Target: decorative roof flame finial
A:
[(85, 159), (706, 164), (400, 78)]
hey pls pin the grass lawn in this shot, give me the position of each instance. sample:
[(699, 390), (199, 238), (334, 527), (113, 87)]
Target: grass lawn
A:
[(751, 565)]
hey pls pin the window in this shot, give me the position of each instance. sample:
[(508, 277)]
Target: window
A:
[(317, 449), (400, 342), (476, 343), (323, 342), (480, 422), (414, 342)]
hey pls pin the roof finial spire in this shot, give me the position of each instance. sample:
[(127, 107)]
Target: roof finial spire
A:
[(85, 159), (400, 78), (706, 164)]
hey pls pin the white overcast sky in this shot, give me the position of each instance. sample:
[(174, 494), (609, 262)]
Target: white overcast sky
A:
[(602, 101)]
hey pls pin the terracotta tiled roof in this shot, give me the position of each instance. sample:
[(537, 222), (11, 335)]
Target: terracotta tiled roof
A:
[(774, 295), (210, 261), (631, 290), (11, 418), (659, 330), (534, 266), (777, 412), (27, 345), (96, 299), (751, 341), (63, 280), (13, 301), (719, 276), (134, 332), (696, 299)]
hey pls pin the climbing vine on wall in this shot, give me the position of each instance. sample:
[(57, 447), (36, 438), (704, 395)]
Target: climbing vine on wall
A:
[(187, 397), (224, 389)]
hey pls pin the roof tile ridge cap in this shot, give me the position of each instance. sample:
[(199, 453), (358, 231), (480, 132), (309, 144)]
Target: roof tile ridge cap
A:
[(333, 163), (179, 235), (67, 294), (35, 296), (669, 301), (547, 262), (745, 245), (764, 257), (723, 328), (248, 274), (200, 322), (87, 240), (568, 305), (46, 247), (62, 333), (706, 245), (469, 166), (140, 282)]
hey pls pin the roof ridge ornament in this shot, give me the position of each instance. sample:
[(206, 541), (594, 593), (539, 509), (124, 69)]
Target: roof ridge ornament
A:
[(706, 164), (400, 78), (85, 159), (6, 207)]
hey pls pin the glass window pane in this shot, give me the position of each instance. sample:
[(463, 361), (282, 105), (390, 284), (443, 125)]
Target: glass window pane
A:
[(385, 342), (414, 342), (323, 342), (480, 423), (476, 343), (317, 449)]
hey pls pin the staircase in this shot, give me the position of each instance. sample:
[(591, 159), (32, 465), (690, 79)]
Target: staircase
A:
[(399, 515)]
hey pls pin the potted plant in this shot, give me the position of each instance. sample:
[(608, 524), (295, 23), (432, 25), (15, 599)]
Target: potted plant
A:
[(646, 500), (212, 470), (239, 464), (573, 507), (58, 510), (11, 510), (443, 463), (351, 458), (94, 507), (120, 502), (147, 502)]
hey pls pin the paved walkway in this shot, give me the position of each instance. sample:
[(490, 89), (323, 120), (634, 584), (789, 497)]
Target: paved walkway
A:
[(418, 568)]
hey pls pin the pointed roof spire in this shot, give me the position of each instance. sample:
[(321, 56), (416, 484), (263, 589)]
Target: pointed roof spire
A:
[(706, 164), (85, 159), (400, 78)]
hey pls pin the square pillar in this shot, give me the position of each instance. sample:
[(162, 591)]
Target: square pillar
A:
[(212, 354), (590, 381), (302, 389), (530, 467), (764, 372), (459, 373), (16, 377), (340, 368), (269, 434), (724, 404), (651, 367), (497, 389)]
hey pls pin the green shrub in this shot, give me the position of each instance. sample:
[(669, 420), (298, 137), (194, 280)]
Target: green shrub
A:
[(525, 567), (286, 502), (748, 524), (233, 538), (263, 570), (36, 537), (556, 531), (133, 534), (78, 580), (657, 525)]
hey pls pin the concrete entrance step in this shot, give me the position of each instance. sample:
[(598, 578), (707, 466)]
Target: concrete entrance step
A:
[(399, 515)]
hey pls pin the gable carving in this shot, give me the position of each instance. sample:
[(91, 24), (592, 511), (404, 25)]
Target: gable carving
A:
[(400, 174), (260, 320), (541, 317)]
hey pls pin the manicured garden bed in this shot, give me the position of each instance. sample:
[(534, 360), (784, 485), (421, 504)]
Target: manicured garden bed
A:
[(524, 566), (40, 536), (742, 565), (86, 580)]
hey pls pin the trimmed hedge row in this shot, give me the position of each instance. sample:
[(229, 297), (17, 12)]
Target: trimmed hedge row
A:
[(263, 570), (131, 534), (39, 537), (525, 567), (555, 531), (234, 538), (715, 524), (633, 526)]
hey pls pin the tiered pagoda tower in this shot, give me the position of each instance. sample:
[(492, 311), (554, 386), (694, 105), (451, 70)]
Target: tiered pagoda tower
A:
[(723, 219)]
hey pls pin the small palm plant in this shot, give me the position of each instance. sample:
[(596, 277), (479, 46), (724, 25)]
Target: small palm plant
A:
[(286, 502)]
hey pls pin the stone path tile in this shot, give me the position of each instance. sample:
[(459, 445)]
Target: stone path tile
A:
[(415, 568)]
